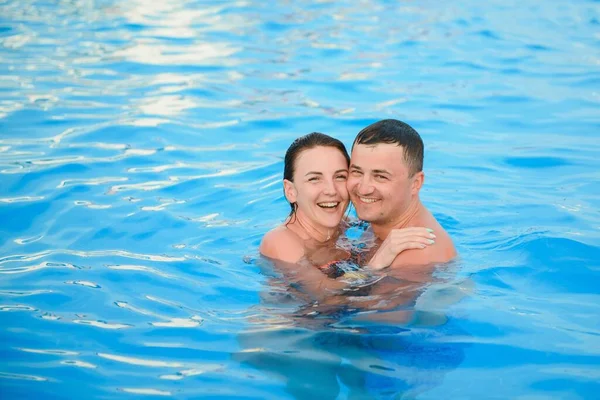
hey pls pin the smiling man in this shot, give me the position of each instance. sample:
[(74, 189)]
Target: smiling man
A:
[(386, 175)]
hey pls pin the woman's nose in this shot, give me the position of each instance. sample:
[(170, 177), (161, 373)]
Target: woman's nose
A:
[(330, 188)]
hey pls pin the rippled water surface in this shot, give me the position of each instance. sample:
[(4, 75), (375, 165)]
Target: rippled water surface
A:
[(141, 150)]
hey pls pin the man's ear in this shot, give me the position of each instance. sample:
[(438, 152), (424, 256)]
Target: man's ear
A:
[(290, 191), (418, 180)]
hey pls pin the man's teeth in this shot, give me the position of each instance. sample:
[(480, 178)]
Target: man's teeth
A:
[(328, 205), (367, 200)]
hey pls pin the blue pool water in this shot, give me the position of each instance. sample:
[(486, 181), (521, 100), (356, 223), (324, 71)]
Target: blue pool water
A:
[(141, 150)]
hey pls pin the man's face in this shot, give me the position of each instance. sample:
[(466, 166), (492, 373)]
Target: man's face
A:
[(380, 184)]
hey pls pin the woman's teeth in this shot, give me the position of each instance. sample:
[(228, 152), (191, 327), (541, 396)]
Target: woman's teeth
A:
[(328, 205)]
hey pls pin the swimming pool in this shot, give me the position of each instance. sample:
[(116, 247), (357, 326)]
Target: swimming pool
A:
[(141, 150)]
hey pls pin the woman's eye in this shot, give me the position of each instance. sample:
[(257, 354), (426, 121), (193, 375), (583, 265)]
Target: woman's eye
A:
[(341, 177), (313, 179)]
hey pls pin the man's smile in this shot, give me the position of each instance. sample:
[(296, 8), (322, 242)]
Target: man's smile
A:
[(367, 200)]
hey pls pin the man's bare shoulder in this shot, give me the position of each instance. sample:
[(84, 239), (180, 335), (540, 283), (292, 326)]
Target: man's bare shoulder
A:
[(282, 244)]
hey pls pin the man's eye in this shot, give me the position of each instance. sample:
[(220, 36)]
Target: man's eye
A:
[(382, 177), (356, 173)]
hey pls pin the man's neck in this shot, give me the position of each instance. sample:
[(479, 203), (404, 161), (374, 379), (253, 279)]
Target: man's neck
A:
[(403, 221)]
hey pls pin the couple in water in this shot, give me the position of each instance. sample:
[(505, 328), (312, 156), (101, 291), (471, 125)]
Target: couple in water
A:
[(382, 178)]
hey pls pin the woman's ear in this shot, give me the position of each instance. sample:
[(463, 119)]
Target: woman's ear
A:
[(419, 178), (290, 191)]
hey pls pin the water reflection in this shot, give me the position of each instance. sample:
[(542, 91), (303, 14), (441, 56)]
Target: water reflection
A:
[(140, 158), (359, 348)]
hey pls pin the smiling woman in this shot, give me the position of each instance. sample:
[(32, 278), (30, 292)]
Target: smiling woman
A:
[(315, 174), (304, 247)]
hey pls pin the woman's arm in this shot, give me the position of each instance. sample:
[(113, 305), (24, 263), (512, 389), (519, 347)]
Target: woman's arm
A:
[(309, 279), (287, 252), (398, 241)]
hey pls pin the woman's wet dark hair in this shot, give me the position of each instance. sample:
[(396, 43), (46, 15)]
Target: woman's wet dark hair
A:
[(307, 142)]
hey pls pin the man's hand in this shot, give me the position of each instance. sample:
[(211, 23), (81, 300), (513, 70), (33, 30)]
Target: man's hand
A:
[(398, 241)]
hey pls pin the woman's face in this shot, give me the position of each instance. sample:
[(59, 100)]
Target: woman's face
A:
[(319, 186)]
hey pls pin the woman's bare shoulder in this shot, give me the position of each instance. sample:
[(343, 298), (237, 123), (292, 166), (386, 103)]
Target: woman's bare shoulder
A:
[(282, 244)]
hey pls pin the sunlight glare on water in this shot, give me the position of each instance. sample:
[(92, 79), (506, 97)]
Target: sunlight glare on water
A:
[(141, 158)]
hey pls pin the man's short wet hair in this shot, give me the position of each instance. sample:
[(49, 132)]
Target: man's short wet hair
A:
[(392, 131)]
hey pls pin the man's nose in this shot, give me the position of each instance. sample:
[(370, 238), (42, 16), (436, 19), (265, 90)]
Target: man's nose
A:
[(364, 186)]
